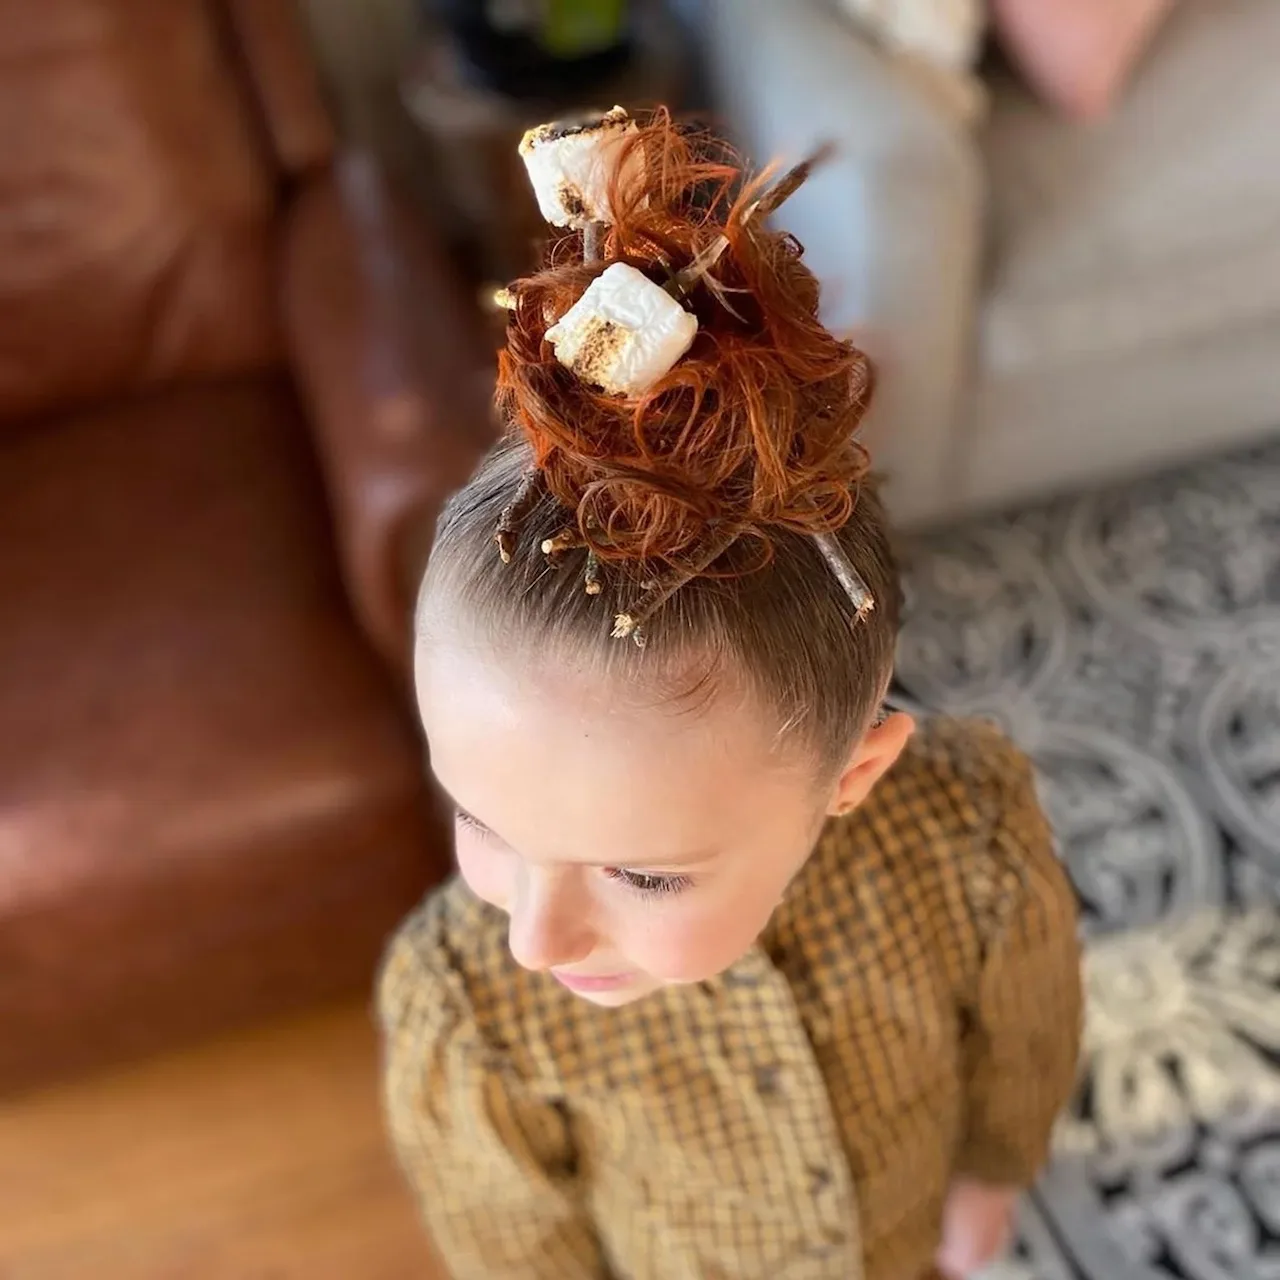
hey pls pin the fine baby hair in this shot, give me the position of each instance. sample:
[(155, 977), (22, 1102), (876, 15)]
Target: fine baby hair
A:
[(679, 500)]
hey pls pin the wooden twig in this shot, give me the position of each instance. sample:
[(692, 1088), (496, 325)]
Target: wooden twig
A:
[(630, 625), (566, 540), (848, 577), (781, 191), (593, 235), (591, 578), (528, 494)]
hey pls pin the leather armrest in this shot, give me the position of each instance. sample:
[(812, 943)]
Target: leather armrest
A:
[(392, 362), (273, 44)]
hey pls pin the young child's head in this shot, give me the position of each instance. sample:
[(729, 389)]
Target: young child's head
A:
[(638, 810)]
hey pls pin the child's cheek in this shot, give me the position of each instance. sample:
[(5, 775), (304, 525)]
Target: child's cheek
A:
[(683, 943), (485, 870)]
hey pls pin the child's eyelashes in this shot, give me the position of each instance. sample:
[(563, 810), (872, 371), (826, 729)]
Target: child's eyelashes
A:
[(464, 819), (648, 883)]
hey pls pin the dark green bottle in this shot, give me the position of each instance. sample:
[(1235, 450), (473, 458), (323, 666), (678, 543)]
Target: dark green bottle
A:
[(542, 50)]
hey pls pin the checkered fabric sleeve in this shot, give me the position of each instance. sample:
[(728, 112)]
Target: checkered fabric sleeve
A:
[(1024, 1013), (492, 1167)]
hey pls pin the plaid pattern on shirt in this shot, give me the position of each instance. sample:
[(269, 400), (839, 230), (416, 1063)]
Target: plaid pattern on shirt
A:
[(911, 1014)]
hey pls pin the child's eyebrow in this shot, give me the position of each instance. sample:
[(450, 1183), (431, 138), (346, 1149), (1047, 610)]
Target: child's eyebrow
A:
[(666, 864)]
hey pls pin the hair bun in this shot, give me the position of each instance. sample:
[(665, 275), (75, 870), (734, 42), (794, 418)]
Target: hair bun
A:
[(751, 431)]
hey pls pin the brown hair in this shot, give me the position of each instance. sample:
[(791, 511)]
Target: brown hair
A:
[(748, 441)]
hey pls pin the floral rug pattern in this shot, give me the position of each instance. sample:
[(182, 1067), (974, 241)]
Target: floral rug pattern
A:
[(1129, 640)]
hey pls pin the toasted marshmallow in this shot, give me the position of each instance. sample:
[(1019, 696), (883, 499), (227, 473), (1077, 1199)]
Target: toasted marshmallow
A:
[(624, 333), (571, 163)]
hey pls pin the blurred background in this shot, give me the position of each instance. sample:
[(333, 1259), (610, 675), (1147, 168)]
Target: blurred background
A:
[(244, 356)]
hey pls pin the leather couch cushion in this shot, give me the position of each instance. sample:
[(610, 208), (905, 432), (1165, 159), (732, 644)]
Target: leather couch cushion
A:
[(211, 798), (136, 202)]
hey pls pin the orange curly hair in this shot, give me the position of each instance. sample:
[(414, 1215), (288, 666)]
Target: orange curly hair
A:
[(752, 430)]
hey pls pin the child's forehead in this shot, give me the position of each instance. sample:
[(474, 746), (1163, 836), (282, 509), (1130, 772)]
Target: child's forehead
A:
[(584, 773), (571, 699)]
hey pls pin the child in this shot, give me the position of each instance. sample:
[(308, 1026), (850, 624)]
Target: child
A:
[(742, 976)]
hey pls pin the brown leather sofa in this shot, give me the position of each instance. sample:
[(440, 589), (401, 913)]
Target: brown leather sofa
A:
[(236, 381)]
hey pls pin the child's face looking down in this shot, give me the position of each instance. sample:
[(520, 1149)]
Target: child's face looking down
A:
[(632, 845)]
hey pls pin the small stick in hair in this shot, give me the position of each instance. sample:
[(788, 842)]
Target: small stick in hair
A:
[(565, 540), (845, 574), (593, 241), (591, 578), (527, 496), (791, 182), (781, 191), (630, 625)]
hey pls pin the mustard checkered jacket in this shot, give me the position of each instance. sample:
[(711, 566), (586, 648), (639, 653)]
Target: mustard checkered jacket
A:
[(910, 1014)]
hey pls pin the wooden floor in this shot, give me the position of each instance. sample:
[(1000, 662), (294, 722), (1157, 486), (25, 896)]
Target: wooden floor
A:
[(261, 1158)]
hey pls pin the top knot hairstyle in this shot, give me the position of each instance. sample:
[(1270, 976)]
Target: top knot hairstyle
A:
[(753, 429), (722, 514)]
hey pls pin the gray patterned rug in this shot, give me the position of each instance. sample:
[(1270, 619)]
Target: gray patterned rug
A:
[(1129, 639)]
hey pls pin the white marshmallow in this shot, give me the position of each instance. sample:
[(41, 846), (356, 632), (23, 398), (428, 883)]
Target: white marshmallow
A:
[(570, 166), (624, 333)]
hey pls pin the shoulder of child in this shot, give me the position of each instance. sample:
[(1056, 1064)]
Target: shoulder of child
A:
[(964, 770), (975, 753), (960, 806), (1009, 852), (954, 776), (440, 962)]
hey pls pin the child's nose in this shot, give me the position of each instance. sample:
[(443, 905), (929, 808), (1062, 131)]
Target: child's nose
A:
[(548, 922)]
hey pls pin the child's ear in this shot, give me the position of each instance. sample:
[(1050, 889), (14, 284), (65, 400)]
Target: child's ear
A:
[(872, 758)]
